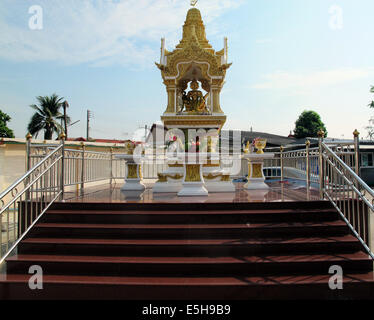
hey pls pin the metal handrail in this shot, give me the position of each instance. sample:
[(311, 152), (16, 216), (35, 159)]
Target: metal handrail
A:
[(24, 202), (343, 187), (27, 174), (342, 163)]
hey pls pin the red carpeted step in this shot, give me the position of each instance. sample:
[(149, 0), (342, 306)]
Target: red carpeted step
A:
[(356, 286), (190, 247), (183, 231), (189, 266), (189, 217)]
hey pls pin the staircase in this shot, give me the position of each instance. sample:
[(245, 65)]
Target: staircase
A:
[(189, 251)]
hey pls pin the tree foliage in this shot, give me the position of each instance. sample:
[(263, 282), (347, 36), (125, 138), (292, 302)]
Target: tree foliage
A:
[(308, 125), (5, 132), (370, 128), (47, 116), (371, 104)]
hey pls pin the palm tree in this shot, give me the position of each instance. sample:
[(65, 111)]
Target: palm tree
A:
[(47, 116), (371, 105)]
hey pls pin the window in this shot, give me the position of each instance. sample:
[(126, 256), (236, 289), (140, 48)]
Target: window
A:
[(367, 159)]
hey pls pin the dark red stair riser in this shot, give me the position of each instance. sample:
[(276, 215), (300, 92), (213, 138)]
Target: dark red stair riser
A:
[(189, 250), (192, 206), (201, 218), (187, 233), (320, 291), (186, 270)]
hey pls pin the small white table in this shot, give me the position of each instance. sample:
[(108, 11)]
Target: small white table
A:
[(256, 178), (133, 178)]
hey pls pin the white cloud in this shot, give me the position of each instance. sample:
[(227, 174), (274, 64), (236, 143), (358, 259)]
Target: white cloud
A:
[(98, 32), (310, 81)]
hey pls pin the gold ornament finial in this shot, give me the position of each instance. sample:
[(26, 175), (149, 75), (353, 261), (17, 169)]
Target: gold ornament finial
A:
[(356, 133), (62, 136), (193, 2)]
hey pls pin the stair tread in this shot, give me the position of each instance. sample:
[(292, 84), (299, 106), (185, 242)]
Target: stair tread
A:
[(195, 212), (189, 281), (192, 226), (153, 242), (191, 260)]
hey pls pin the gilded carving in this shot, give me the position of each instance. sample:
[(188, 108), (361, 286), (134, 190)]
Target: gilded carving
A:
[(224, 177), (212, 176), (132, 171), (193, 173), (164, 177), (175, 165), (257, 170)]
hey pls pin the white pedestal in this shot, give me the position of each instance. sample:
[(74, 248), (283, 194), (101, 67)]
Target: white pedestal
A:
[(133, 178), (256, 178), (133, 185), (193, 181), (193, 190)]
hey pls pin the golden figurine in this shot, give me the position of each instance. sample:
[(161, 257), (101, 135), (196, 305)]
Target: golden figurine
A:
[(247, 148), (194, 101)]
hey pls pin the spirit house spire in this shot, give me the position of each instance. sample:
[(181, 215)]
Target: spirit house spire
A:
[(194, 74)]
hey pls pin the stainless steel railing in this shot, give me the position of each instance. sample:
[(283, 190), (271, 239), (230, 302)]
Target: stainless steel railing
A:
[(349, 194), (84, 166), (24, 202), (301, 164)]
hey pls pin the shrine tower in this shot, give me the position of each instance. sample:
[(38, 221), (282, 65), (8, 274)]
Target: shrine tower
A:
[(194, 74), (194, 65)]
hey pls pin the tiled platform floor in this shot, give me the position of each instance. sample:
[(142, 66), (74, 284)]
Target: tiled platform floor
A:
[(288, 191)]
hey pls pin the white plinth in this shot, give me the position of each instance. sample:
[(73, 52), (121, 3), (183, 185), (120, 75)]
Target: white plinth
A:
[(133, 185), (256, 178), (193, 182), (192, 189), (133, 178)]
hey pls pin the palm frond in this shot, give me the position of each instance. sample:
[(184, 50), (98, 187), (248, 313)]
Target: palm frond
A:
[(48, 111)]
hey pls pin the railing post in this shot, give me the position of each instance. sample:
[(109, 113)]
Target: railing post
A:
[(281, 149), (321, 135), (356, 136), (83, 164), (307, 158), (62, 178), (111, 166), (28, 151)]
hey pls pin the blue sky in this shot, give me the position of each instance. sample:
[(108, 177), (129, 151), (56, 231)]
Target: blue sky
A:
[(288, 56)]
